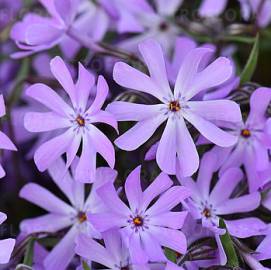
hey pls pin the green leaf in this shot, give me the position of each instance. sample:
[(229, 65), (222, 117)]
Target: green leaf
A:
[(171, 255), (85, 266), (251, 63), (29, 253), (227, 243)]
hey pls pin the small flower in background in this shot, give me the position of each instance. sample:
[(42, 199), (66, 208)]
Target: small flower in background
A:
[(77, 119), (149, 22), (5, 142), (37, 33), (252, 147), (208, 205), (72, 216), (114, 255), (143, 223), (6, 246), (249, 8), (176, 148)]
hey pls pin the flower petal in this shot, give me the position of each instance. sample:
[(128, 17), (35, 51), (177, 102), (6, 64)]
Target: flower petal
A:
[(133, 189), (62, 74), (161, 183), (49, 98), (43, 198), (6, 248), (101, 95), (188, 158), (245, 227), (211, 8), (62, 254), (50, 223), (241, 204), (210, 131), (106, 221), (51, 150), (188, 70), (84, 84), (129, 77), (153, 55), (259, 101), (169, 200), (206, 170), (86, 167), (98, 253), (213, 75), (6, 143), (111, 199), (225, 185), (217, 110), (2, 106), (139, 133), (172, 239), (104, 117), (126, 111), (102, 145), (168, 8), (172, 220), (45, 121)]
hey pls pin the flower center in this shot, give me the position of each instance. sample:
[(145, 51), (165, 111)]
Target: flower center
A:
[(80, 121), (206, 212), (163, 26), (174, 106), (245, 133), (82, 217), (138, 221)]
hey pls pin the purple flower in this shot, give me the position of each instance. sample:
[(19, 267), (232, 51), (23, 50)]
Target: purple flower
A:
[(144, 228), (76, 119), (261, 253), (176, 148), (5, 142), (6, 245), (141, 18), (251, 149), (63, 215), (209, 205), (210, 8), (114, 255), (36, 33)]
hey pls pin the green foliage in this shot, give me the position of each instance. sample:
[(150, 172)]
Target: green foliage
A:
[(251, 63), (171, 255), (227, 243), (29, 253)]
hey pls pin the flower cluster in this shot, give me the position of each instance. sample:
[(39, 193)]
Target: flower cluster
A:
[(142, 132)]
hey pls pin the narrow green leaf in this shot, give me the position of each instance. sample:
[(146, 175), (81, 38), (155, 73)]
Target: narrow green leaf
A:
[(171, 255), (29, 253), (251, 63), (85, 266), (227, 243)]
